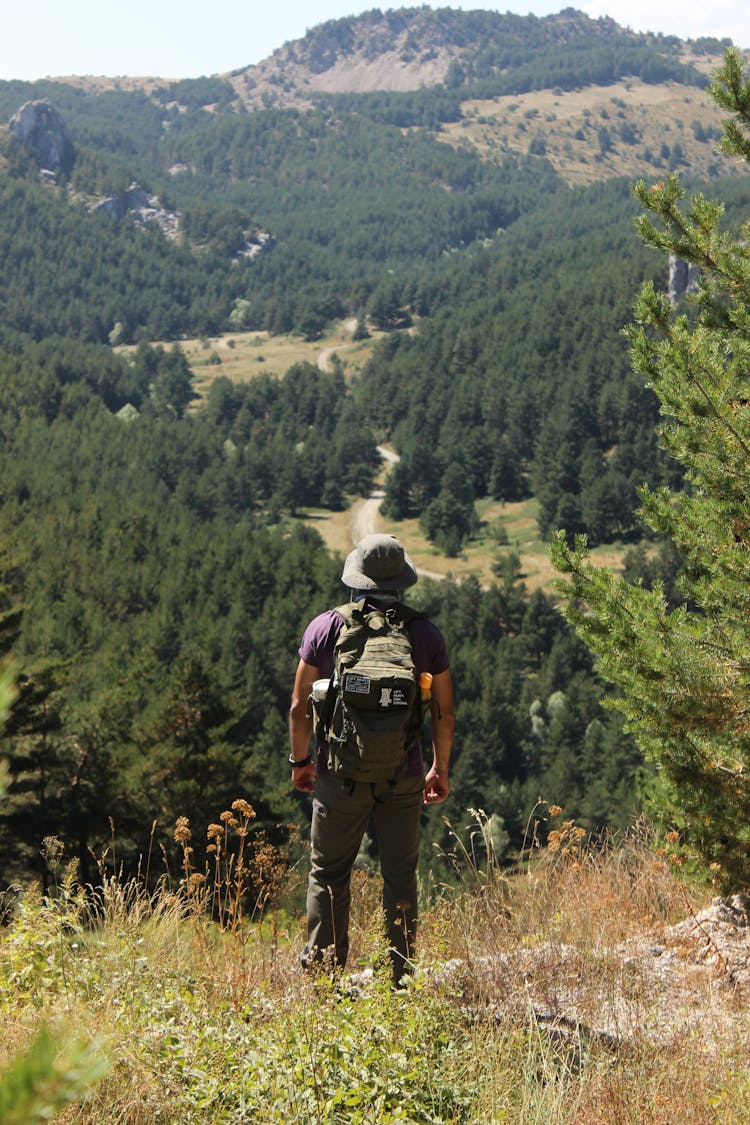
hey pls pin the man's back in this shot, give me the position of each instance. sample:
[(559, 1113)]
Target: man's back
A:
[(377, 572)]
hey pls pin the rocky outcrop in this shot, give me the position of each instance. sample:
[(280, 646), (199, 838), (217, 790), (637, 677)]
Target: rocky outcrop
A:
[(690, 977), (259, 243), (683, 278), (142, 208), (40, 127)]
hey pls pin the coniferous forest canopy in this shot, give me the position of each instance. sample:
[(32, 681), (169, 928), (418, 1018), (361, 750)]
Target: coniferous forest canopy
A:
[(154, 582)]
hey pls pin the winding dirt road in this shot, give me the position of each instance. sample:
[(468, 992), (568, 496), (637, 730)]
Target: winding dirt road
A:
[(325, 357), (365, 517), (366, 513)]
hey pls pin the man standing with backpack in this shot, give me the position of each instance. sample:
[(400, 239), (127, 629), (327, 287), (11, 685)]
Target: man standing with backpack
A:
[(385, 665)]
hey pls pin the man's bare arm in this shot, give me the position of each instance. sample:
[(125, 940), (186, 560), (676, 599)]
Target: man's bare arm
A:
[(301, 726), (437, 784)]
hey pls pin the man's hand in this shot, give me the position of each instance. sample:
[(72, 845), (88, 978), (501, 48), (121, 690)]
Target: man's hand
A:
[(304, 778), (436, 787)]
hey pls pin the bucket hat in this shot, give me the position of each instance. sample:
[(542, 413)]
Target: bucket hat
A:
[(378, 562)]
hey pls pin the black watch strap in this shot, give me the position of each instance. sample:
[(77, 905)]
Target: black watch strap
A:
[(298, 765)]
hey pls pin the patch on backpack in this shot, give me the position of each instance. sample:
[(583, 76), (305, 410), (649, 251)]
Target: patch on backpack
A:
[(393, 697), (358, 685)]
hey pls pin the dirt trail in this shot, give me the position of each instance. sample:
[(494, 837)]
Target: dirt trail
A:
[(366, 513), (365, 517), (324, 359)]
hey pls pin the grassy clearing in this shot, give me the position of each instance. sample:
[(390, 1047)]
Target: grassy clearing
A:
[(566, 125), (202, 1018), (241, 356), (505, 529)]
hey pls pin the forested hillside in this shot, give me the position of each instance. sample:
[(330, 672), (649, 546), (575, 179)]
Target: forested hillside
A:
[(153, 607), (358, 215), (154, 579)]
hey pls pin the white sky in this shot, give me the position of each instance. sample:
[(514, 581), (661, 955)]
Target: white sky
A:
[(190, 38)]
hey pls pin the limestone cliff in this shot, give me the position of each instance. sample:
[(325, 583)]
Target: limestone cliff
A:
[(40, 126)]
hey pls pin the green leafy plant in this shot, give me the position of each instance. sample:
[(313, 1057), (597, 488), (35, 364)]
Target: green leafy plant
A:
[(49, 1072), (46, 1076)]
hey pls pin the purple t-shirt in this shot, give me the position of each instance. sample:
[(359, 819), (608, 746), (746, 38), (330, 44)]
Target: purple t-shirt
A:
[(429, 653)]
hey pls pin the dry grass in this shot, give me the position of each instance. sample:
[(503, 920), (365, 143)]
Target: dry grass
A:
[(242, 356), (340, 530), (506, 528), (634, 1004), (568, 892), (568, 124), (535, 998)]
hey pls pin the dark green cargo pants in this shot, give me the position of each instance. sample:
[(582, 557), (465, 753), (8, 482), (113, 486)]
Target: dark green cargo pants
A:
[(341, 813)]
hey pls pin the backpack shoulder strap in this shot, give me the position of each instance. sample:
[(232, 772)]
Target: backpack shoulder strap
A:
[(325, 712), (347, 611), (350, 610)]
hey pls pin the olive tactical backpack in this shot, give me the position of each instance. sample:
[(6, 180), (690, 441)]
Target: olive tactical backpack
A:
[(372, 710)]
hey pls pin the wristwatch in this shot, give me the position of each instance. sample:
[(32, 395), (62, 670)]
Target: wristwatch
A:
[(298, 765)]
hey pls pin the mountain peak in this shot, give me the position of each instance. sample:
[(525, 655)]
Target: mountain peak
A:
[(397, 50), (413, 48)]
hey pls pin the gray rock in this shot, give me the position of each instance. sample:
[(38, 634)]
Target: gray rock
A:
[(141, 207), (41, 127), (683, 278)]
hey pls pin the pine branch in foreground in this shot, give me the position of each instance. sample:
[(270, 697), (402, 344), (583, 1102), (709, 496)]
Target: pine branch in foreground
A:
[(682, 671)]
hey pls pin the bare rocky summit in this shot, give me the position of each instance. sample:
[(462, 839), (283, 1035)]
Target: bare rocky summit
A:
[(397, 50), (360, 58)]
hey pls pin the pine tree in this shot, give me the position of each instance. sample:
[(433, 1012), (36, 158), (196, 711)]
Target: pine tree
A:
[(684, 670)]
